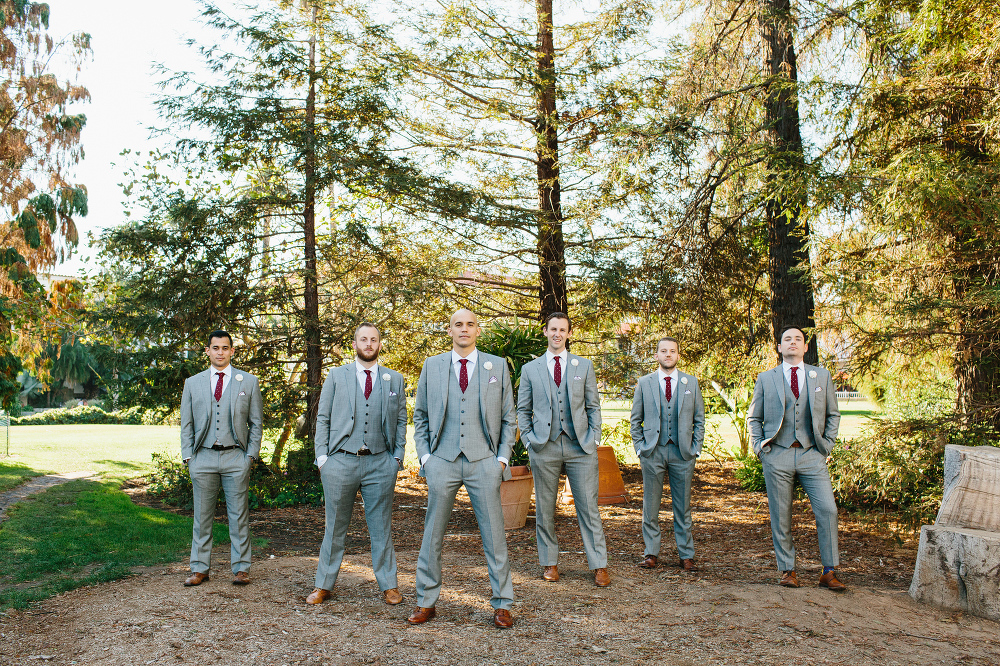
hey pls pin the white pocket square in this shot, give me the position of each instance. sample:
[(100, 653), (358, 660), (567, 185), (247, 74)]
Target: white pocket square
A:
[(493, 380), (243, 393), (818, 389), (687, 392), (578, 377), (392, 393)]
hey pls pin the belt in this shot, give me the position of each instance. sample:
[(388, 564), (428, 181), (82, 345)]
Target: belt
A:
[(216, 447), (362, 452), (796, 445)]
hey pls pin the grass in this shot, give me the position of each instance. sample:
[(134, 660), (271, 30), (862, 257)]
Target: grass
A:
[(14, 474), (84, 532)]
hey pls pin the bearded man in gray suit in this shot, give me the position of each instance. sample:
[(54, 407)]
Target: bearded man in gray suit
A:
[(360, 445), (221, 429), (793, 422), (463, 424), (668, 428), (559, 413)]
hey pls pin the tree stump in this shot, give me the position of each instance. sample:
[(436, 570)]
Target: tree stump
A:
[(958, 561)]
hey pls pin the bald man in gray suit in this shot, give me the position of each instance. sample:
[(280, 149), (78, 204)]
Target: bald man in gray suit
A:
[(463, 424), (221, 429), (360, 445)]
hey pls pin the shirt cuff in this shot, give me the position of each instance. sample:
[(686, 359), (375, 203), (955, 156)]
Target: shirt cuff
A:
[(321, 460), (503, 460), (424, 458)]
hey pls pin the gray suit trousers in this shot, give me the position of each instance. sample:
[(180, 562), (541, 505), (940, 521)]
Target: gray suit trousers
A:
[(209, 470), (667, 460), (581, 470), (482, 481), (781, 466), (375, 477)]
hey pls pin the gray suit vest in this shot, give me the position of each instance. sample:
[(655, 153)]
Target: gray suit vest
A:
[(668, 415), (562, 412), (367, 421), (796, 426), (223, 417), (462, 430)]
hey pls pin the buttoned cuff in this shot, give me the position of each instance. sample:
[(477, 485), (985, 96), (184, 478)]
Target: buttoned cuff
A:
[(503, 460)]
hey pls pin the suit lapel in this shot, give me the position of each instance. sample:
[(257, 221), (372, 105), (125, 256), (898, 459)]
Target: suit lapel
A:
[(778, 376), (210, 395), (350, 379), (542, 370), (680, 393), (484, 377), (443, 377), (233, 390)]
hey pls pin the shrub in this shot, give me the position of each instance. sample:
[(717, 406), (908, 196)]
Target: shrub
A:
[(750, 473), (92, 415), (619, 437)]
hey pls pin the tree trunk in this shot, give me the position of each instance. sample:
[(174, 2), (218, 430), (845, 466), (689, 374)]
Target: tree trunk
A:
[(787, 234), (550, 245), (314, 359)]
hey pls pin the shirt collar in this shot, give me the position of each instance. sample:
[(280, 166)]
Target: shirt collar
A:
[(562, 356), (663, 375), (361, 368), (227, 371), (787, 367), (472, 358)]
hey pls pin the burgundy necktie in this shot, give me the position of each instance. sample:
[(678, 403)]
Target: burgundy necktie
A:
[(368, 384), (557, 372), (670, 393), (218, 386), (463, 375), (795, 383)]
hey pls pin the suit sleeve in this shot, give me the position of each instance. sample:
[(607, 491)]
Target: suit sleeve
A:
[(755, 416), (508, 418), (524, 405), (322, 441), (187, 423), (400, 449), (832, 426), (698, 426), (255, 419), (635, 418), (421, 425), (592, 403)]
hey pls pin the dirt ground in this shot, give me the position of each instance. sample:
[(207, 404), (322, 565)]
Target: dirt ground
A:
[(731, 612)]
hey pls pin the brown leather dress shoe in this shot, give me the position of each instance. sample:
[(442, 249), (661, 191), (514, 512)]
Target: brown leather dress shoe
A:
[(829, 579), (502, 619), (196, 578), (601, 577), (788, 579), (649, 562), (392, 597), (551, 574), (421, 615), (241, 578), (318, 596), (688, 564)]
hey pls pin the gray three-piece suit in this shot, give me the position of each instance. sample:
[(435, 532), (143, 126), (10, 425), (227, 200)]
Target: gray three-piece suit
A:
[(348, 423), (459, 436), (667, 436), (561, 427), (234, 424), (793, 436)]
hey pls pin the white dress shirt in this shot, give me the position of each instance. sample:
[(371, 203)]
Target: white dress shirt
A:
[(550, 361), (362, 377), (800, 375), (663, 382), (227, 374)]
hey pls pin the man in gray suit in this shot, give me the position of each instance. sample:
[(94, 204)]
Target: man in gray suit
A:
[(668, 428), (463, 424), (793, 421), (360, 444), (221, 429), (559, 413)]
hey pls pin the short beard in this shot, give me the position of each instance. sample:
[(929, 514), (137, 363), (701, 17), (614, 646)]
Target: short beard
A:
[(366, 359), (668, 368)]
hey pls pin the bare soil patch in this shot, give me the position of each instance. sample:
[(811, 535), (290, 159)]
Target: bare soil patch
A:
[(731, 612)]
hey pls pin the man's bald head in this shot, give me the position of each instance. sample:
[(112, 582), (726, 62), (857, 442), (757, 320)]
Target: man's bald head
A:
[(464, 330)]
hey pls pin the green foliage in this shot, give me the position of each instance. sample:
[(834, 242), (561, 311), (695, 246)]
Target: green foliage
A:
[(619, 437), (750, 473), (14, 474), (92, 415)]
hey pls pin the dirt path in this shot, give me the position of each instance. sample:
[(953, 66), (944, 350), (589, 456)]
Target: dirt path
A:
[(36, 485), (729, 613)]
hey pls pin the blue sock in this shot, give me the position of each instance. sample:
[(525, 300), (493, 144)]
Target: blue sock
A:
[(827, 570)]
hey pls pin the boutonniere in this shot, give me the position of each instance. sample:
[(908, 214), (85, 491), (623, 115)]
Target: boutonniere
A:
[(684, 380), (386, 377), (488, 365), (574, 362), (239, 378), (812, 374)]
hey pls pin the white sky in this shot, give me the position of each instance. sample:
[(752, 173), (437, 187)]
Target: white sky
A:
[(127, 37)]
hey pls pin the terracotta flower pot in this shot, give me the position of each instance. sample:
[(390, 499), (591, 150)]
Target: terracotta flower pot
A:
[(610, 485), (515, 497)]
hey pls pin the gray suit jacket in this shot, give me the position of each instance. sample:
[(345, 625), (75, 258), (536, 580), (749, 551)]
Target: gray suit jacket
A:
[(335, 418), (767, 409), (246, 404), (645, 417), (534, 403), (496, 404)]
